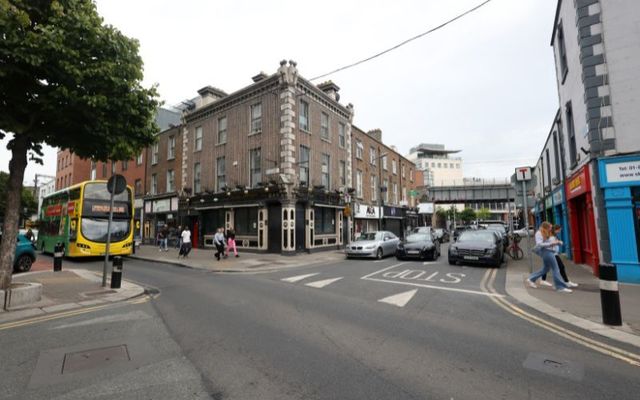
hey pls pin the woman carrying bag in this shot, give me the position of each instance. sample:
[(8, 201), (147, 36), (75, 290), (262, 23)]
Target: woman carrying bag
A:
[(545, 245)]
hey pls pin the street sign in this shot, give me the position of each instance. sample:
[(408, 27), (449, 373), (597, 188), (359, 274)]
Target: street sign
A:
[(523, 174), (120, 184)]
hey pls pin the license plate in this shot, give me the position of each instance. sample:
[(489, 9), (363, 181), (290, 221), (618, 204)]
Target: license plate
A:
[(413, 252), (471, 257)]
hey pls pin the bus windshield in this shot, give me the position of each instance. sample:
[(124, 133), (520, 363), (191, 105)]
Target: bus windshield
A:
[(95, 213), (95, 229)]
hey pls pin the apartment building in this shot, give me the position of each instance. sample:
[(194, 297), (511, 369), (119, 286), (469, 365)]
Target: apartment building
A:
[(439, 166)]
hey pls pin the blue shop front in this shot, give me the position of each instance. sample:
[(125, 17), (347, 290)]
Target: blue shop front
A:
[(620, 180), (559, 206)]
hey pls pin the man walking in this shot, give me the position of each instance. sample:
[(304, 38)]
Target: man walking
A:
[(218, 241), (186, 242)]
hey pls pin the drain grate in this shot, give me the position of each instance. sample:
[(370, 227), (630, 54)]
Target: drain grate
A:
[(94, 358), (552, 365)]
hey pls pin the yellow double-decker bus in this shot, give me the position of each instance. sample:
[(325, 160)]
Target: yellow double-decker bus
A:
[(78, 216)]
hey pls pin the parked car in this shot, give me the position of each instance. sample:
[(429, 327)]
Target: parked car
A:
[(442, 235), (421, 229), (25, 254), (373, 244), (422, 246), (523, 232), (477, 247), (458, 230), (502, 231)]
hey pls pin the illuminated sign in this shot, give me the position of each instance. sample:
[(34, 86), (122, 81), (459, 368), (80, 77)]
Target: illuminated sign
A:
[(104, 208)]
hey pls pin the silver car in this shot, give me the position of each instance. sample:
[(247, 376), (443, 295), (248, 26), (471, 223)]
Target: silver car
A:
[(373, 244)]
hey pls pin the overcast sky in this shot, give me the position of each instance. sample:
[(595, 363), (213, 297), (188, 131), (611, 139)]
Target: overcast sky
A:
[(484, 84)]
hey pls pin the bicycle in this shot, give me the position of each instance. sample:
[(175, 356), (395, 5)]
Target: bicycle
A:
[(514, 251)]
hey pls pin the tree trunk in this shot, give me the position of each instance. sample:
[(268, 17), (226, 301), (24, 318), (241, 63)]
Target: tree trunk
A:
[(17, 165)]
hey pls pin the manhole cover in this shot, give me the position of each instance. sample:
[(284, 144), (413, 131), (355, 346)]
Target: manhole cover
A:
[(552, 365), (94, 358)]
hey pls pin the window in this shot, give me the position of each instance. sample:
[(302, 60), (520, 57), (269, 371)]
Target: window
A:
[(562, 54), (359, 184), (304, 165), (154, 184), (139, 159), (395, 193), (548, 160), (556, 154), (451, 165), (197, 143), (171, 180), (342, 135), (404, 194), (93, 170), (246, 221), (154, 153), (573, 150), (325, 176), (303, 118), (402, 170), (372, 156), (125, 165), (439, 165), (343, 173), (359, 150), (222, 130), (171, 148), (433, 164), (394, 167), (138, 187), (384, 162), (411, 174), (221, 181), (255, 173), (196, 178), (256, 118), (385, 184), (324, 126), (374, 189), (325, 220), (104, 169)]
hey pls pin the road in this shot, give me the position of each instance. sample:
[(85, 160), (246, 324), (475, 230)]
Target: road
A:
[(354, 329)]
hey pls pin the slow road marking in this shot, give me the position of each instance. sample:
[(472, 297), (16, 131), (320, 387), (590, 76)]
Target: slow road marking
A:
[(400, 299), (323, 283), (298, 278)]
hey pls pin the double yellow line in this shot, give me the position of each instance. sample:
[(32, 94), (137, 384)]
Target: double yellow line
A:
[(612, 351), (70, 313)]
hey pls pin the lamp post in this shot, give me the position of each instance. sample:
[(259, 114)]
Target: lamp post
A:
[(380, 202)]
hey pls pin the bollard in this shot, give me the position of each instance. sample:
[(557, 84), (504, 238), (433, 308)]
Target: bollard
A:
[(58, 252), (116, 272), (609, 295)]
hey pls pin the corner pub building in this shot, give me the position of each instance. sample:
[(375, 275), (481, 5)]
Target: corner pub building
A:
[(272, 161)]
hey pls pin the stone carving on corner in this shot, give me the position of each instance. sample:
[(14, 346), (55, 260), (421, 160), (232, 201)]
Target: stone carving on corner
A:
[(288, 73)]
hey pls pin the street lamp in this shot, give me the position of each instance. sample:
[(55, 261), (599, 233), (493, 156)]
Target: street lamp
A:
[(380, 203)]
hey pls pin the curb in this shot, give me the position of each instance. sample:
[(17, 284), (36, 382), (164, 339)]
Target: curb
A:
[(515, 288), (128, 291)]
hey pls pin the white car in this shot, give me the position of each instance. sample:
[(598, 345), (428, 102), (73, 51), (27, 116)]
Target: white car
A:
[(373, 244)]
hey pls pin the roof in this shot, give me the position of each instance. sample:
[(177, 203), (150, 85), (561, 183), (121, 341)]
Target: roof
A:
[(432, 148)]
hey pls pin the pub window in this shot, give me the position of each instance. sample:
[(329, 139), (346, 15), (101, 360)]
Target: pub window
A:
[(256, 118), (304, 164), (246, 221), (303, 118), (197, 144), (325, 220), (222, 130), (326, 169)]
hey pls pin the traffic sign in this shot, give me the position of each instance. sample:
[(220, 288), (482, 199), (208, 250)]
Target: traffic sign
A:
[(120, 184), (523, 174)]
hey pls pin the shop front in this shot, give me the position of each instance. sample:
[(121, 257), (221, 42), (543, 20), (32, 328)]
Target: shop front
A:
[(548, 210), (584, 244), (560, 218), (620, 180), (160, 213), (365, 219), (538, 213), (393, 220)]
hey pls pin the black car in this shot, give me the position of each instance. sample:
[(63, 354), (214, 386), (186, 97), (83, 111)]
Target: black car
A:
[(502, 232), (477, 247), (418, 245), (458, 230)]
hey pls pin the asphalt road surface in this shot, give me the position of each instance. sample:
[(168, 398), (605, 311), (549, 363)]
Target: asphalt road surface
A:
[(355, 329)]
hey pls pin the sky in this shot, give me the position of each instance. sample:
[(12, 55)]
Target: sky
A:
[(484, 84)]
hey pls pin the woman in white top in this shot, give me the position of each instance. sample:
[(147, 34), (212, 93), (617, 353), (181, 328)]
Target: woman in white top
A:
[(545, 249)]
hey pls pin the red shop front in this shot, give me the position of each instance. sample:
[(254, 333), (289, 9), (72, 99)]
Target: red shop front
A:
[(584, 243)]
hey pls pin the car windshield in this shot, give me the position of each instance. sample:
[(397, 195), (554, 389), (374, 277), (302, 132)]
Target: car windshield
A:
[(418, 237), (497, 227), (477, 236), (371, 236)]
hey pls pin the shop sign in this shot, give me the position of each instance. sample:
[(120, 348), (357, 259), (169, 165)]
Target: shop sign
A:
[(627, 171), (548, 202), (365, 211), (557, 197), (162, 205), (578, 184), (147, 206), (425, 208), (393, 212)]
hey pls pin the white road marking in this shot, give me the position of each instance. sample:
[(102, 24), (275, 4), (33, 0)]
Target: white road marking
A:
[(436, 287), (400, 299), (428, 262), (379, 261), (323, 283), (298, 278), (382, 270)]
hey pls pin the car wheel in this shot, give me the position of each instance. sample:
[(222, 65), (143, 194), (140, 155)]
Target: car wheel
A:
[(452, 262), (379, 253), (24, 263), (398, 258)]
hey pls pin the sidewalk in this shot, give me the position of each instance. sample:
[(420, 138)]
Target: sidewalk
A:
[(581, 308), (66, 290), (247, 262)]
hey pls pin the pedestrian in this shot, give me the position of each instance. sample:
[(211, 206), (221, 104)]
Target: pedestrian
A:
[(544, 248), (218, 241), (556, 233), (29, 235), (231, 242), (162, 240), (185, 247)]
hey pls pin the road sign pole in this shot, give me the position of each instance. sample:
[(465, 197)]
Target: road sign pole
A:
[(525, 215), (106, 249)]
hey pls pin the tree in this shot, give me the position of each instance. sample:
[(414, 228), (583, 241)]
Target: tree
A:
[(69, 81), (467, 215), (483, 214), (26, 198)]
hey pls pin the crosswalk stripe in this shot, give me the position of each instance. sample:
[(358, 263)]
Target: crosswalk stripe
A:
[(323, 283), (298, 278), (400, 299)]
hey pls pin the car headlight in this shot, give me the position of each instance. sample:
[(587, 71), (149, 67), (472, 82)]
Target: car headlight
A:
[(453, 250), (492, 250)]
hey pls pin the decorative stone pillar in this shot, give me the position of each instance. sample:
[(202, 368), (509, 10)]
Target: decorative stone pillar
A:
[(288, 229), (288, 80)]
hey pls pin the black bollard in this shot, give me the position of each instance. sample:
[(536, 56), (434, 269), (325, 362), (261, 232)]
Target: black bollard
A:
[(116, 273), (609, 295), (58, 253)]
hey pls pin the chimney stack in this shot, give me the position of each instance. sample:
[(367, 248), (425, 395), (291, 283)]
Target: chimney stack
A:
[(375, 133), (331, 89), (208, 95), (261, 76)]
